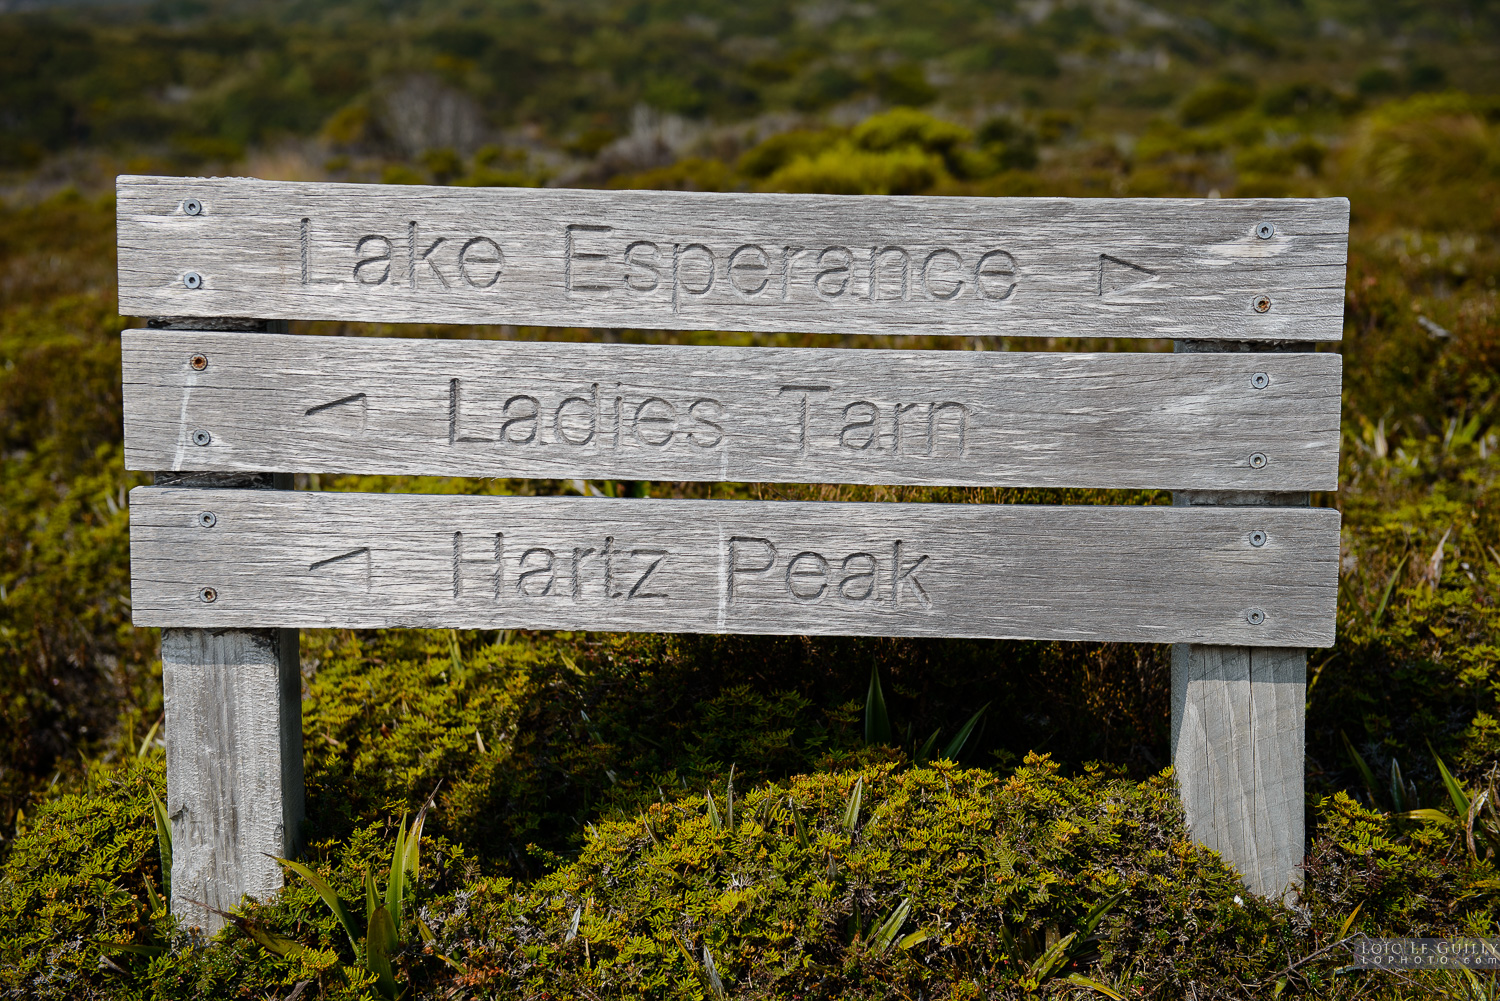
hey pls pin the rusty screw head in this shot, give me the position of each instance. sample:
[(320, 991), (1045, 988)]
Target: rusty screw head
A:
[(1265, 230), (1257, 460), (199, 362), (1262, 303), (209, 595), (207, 519), (1259, 380), (192, 280), (1255, 616), (1257, 538), (202, 437), (192, 207)]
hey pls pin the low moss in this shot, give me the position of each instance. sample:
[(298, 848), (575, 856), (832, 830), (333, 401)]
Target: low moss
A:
[(942, 882), (992, 870), (81, 871)]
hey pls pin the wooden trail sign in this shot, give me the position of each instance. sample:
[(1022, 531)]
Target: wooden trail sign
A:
[(1226, 269), (1239, 573), (1233, 576), (538, 409)]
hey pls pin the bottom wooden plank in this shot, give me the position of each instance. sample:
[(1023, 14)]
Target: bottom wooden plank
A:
[(1229, 576)]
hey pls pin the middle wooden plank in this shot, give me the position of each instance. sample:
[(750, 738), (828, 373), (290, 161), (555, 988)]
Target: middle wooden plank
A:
[(233, 401)]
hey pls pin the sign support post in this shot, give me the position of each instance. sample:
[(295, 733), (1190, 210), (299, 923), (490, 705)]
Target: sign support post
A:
[(1238, 726), (233, 733)]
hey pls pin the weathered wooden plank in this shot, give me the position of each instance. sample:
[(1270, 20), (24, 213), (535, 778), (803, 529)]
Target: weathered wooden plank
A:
[(234, 763), (553, 410), (1237, 751), (685, 260), (1147, 574)]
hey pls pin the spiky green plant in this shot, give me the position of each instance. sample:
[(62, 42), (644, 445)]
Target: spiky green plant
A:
[(878, 726), (381, 936), (1475, 812), (158, 903), (1044, 963)]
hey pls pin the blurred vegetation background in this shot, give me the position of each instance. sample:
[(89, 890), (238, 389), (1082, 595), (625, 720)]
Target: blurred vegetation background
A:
[(573, 849)]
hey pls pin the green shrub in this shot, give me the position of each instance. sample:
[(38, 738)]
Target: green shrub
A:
[(1426, 141), (984, 864), (78, 874), (766, 157), (847, 170), (692, 174), (825, 85), (1405, 879), (1215, 101), (1431, 162), (901, 151), (78, 884), (904, 85), (909, 127), (1034, 60), (68, 658), (1013, 146)]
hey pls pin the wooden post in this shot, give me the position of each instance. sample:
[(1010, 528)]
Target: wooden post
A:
[(1238, 726), (233, 700), (1237, 738)]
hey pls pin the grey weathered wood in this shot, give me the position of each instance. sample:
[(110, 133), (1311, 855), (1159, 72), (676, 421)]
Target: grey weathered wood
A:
[(1143, 574), (233, 734), (1238, 719), (1237, 751), (1018, 266), (234, 764), (518, 408)]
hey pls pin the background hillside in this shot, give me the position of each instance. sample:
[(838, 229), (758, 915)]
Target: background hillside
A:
[(573, 850)]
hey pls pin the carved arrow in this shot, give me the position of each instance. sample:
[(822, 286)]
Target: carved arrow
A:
[(337, 561), (355, 403), (1116, 275)]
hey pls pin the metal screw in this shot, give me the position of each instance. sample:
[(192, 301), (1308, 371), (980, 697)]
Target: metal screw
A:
[(202, 437), (199, 362), (1265, 230), (194, 207), (1257, 537), (208, 520), (1255, 616), (1257, 459), (1259, 380), (1262, 303), (194, 280), (209, 595)]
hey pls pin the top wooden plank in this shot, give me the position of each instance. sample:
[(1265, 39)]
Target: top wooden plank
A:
[(1222, 269)]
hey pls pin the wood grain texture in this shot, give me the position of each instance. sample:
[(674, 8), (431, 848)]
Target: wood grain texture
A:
[(1237, 750), (613, 411), (1141, 574), (234, 763), (684, 260), (1238, 722)]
